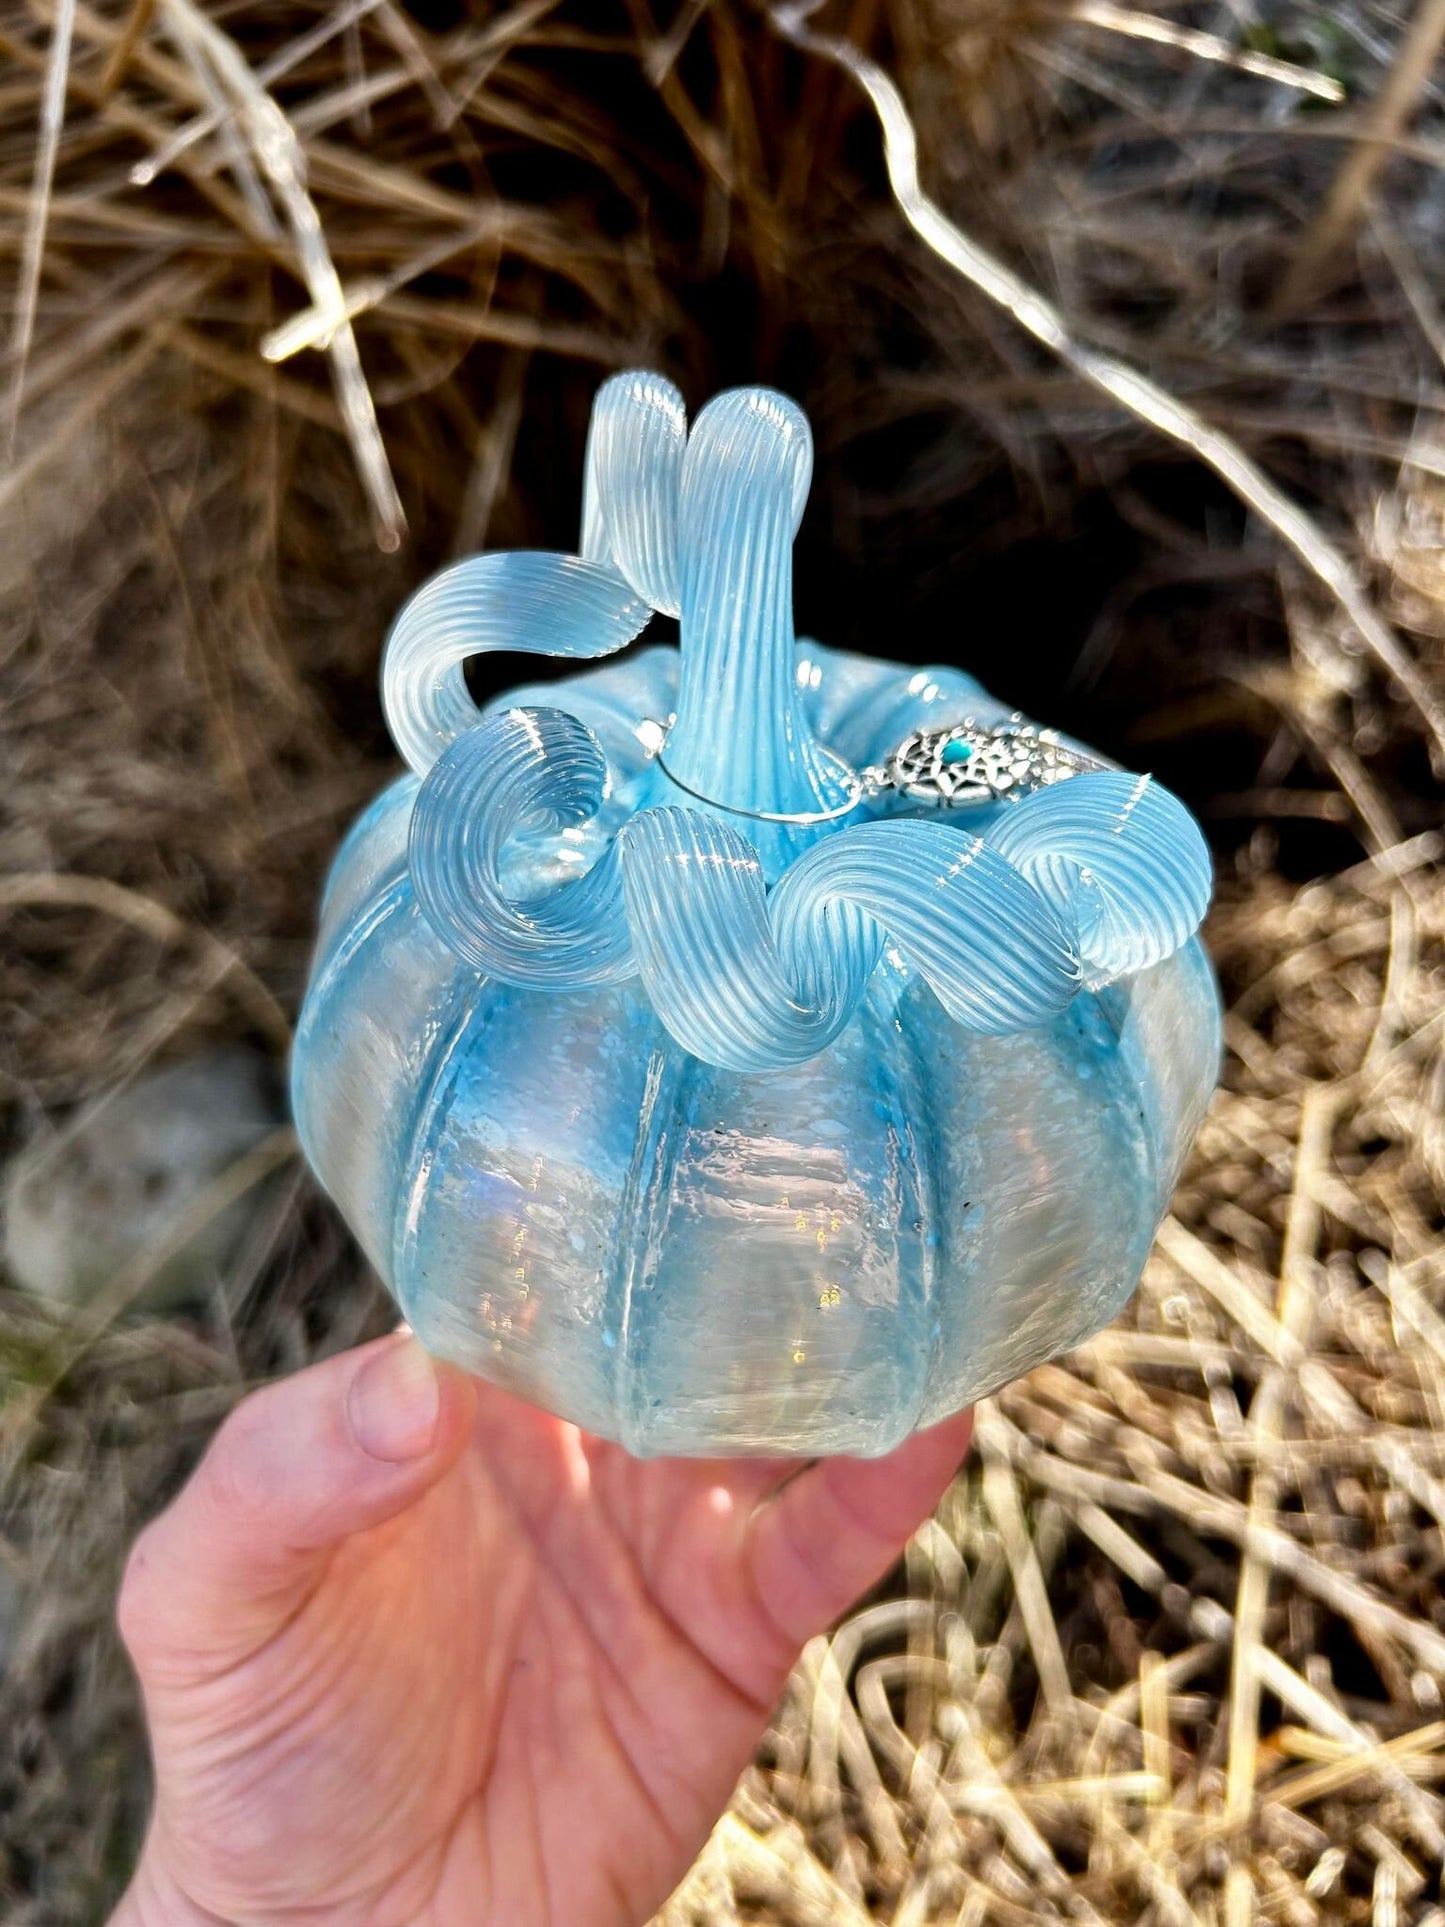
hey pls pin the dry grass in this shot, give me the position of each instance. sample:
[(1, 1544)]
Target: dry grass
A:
[(1174, 1648)]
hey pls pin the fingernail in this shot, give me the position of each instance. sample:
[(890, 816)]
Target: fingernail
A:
[(394, 1403)]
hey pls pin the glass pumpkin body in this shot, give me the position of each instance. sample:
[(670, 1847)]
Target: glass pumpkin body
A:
[(704, 1257)]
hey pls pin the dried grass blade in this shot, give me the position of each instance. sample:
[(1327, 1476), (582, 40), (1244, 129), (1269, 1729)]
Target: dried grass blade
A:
[(290, 57), (1310, 1705), (32, 254), (1204, 46), (1350, 190), (195, 53), (280, 157), (1032, 1593)]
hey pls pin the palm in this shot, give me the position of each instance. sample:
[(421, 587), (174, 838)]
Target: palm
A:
[(527, 1695)]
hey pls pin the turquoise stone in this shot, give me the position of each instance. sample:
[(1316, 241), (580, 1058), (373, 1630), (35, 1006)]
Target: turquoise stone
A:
[(957, 751)]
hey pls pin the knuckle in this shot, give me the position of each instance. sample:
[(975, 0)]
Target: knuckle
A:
[(138, 1604), (239, 1475), (236, 1485)]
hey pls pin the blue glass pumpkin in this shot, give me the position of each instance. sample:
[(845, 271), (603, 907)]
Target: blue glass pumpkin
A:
[(742, 1047)]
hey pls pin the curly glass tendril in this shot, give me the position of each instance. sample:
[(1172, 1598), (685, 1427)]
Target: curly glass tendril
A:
[(755, 938), (523, 769), (581, 606)]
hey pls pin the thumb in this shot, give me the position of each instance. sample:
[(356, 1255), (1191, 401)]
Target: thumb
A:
[(298, 1467), (834, 1530)]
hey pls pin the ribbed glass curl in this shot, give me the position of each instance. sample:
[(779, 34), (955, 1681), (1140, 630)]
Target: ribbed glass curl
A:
[(755, 939)]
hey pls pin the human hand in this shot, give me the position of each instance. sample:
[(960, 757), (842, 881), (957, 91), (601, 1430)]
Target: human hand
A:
[(415, 1652)]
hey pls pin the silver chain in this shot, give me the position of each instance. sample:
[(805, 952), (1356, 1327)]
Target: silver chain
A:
[(957, 768)]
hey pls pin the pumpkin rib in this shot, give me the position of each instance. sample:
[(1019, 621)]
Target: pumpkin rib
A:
[(879, 710), (378, 923), (463, 1019), (642, 1215), (307, 1092), (361, 870), (911, 1233)]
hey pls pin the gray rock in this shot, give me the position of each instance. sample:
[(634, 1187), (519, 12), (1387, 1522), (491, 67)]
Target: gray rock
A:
[(87, 1200)]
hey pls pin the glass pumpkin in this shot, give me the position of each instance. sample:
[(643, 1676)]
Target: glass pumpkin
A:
[(682, 1078)]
